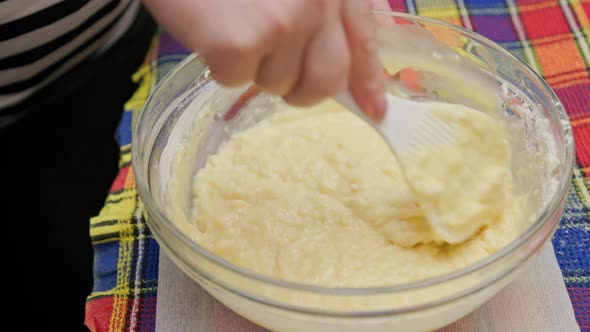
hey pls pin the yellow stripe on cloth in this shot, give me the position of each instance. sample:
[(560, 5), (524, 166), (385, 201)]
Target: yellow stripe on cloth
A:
[(445, 10), (116, 220), (125, 210)]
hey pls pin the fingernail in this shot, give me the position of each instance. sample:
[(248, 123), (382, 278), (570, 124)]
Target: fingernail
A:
[(379, 108)]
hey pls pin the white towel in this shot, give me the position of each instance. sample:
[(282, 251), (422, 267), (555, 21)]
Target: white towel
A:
[(536, 301)]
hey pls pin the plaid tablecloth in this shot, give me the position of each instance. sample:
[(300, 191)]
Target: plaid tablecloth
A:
[(551, 36)]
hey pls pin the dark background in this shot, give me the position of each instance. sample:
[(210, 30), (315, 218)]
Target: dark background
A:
[(57, 165)]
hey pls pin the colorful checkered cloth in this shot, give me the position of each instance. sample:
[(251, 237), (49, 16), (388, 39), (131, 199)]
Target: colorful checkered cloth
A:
[(551, 36)]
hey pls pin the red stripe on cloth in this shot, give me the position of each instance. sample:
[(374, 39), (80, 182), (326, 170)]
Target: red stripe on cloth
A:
[(575, 100), (582, 137), (554, 22), (98, 314), (581, 302), (146, 320), (398, 5), (119, 183), (149, 314)]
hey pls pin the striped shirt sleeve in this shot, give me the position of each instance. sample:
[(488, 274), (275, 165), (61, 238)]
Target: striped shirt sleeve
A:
[(40, 40)]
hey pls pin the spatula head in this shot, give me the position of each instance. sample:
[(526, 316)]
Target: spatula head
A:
[(409, 126)]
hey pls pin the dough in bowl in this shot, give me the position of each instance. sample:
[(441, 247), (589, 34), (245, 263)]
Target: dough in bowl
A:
[(315, 195)]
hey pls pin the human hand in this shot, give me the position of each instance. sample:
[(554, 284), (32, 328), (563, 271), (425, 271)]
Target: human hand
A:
[(302, 50)]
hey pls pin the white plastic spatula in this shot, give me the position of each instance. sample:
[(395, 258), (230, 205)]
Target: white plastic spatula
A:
[(409, 126)]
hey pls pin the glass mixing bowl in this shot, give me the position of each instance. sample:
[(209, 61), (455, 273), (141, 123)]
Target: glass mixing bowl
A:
[(188, 105)]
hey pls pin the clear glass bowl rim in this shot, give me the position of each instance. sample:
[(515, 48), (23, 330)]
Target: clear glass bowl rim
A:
[(552, 206)]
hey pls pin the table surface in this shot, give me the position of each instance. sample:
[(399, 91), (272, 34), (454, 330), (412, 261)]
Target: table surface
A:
[(552, 37)]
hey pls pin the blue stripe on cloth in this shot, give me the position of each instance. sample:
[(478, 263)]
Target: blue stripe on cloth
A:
[(152, 254), (475, 4), (123, 135), (496, 27), (514, 49), (105, 266), (572, 241)]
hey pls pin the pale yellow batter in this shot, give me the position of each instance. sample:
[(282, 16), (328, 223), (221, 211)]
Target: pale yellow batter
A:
[(316, 196), (462, 184)]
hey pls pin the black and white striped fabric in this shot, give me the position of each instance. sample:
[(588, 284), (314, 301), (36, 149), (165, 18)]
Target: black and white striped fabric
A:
[(40, 40)]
